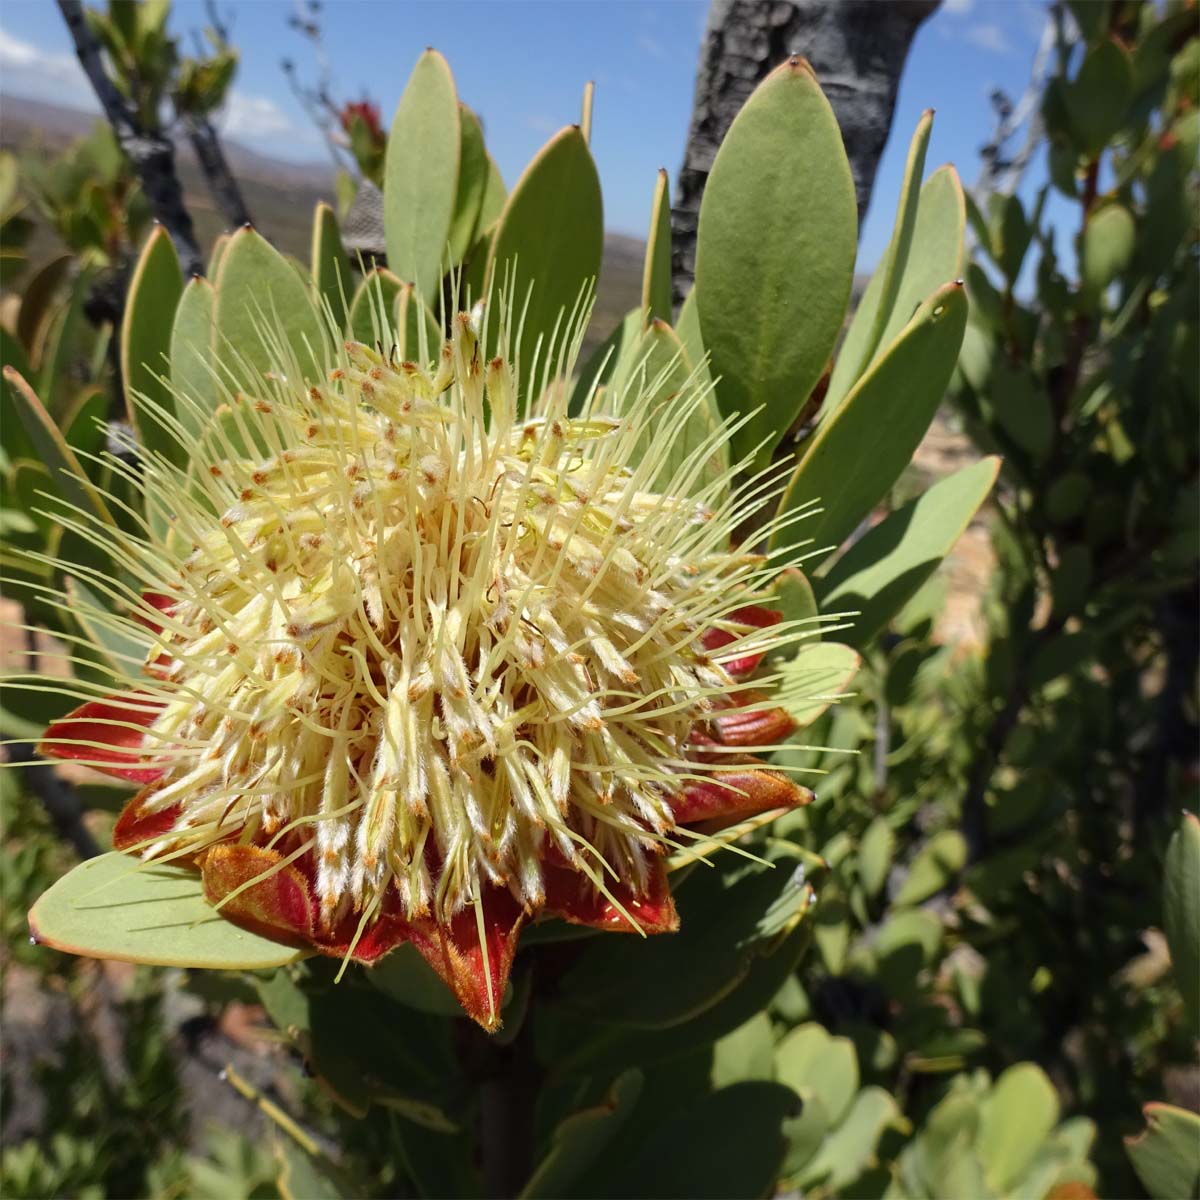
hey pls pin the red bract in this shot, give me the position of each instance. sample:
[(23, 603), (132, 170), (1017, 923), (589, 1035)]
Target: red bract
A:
[(255, 885)]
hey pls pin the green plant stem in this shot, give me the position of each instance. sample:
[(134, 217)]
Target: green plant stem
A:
[(974, 809), (508, 1079)]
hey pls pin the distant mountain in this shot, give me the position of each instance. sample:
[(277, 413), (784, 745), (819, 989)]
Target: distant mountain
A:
[(281, 197), (24, 122)]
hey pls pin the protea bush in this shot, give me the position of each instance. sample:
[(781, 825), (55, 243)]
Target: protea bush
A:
[(416, 633)]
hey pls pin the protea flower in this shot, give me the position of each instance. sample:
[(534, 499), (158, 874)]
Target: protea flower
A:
[(425, 669)]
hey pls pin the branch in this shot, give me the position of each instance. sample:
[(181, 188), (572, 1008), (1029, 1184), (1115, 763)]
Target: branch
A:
[(211, 156), (59, 798), (152, 153)]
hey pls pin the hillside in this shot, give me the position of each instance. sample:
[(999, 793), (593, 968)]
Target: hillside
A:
[(280, 196)]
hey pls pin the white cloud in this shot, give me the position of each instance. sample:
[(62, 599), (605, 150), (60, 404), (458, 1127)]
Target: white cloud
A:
[(249, 118), (651, 46), (43, 74), (958, 6), (988, 37)]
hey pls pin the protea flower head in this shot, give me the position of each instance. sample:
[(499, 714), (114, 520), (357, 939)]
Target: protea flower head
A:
[(426, 668)]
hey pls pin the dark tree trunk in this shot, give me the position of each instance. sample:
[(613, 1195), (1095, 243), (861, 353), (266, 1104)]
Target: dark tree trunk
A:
[(150, 150), (221, 183), (857, 49)]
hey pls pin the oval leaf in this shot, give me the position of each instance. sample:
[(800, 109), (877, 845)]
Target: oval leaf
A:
[(371, 310), (259, 293), (1014, 1119), (154, 294), (860, 451), (330, 266), (1164, 1154), (116, 907), (656, 273), (192, 379), (414, 320), (473, 171), (582, 1137), (71, 482), (1181, 912), (874, 309), (815, 677), (937, 255), (549, 243), (882, 571), (420, 174), (775, 253)]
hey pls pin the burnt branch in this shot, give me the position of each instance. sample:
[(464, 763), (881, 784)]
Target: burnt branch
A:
[(151, 152), (211, 156)]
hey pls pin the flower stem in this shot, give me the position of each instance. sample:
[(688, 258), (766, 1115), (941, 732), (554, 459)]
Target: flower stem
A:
[(507, 1077)]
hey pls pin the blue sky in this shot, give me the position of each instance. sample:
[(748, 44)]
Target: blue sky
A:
[(522, 64)]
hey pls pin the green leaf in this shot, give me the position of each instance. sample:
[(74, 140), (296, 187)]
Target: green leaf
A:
[(858, 453), (871, 317), (1016, 1116), (373, 307), (495, 195), (1099, 95), (192, 380), (303, 1176), (220, 245), (937, 862), (473, 172), (656, 273), (1166, 1154), (361, 1049), (85, 428), (687, 325), (1108, 245), (412, 318), (875, 855), (549, 243), (405, 976), (420, 174), (1019, 405), (112, 644), (1011, 233), (66, 333), (652, 369), (70, 479), (884, 569), (330, 267), (816, 677), (726, 1144), (581, 1138), (724, 926), (906, 943), (37, 301), (1067, 497), (811, 1062), (1181, 912), (851, 1147), (603, 362), (154, 294), (1092, 17), (775, 254), (15, 440), (805, 1134), (1071, 581), (794, 597), (1061, 655), (117, 907), (747, 1052), (936, 256), (259, 293)]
